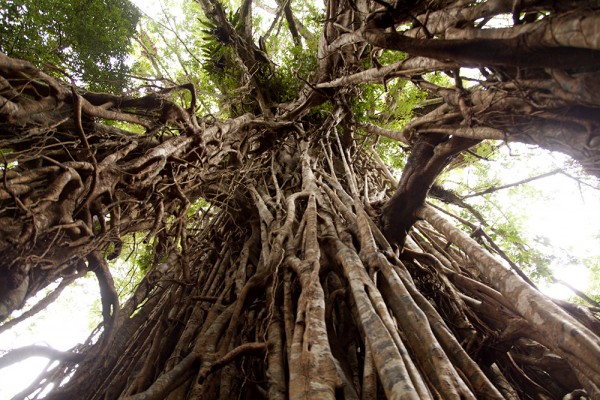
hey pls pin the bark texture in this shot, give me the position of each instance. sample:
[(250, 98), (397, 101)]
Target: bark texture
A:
[(312, 274)]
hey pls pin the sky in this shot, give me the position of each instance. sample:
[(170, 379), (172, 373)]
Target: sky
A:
[(568, 215), (565, 212), (64, 324)]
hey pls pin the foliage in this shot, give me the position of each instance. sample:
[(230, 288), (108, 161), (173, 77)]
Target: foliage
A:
[(190, 48), (87, 39), (297, 66), (593, 264), (392, 153)]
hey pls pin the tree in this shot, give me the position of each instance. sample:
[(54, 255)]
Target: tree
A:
[(285, 261), (87, 40)]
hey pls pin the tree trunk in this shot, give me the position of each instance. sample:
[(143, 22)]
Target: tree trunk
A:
[(312, 274)]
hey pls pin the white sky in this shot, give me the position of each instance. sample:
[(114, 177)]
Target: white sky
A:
[(570, 217), (567, 213), (62, 325)]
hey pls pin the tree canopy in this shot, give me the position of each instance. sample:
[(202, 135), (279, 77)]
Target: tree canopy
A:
[(249, 177), (88, 40)]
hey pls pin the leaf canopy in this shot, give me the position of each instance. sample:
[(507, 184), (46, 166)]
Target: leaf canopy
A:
[(89, 40)]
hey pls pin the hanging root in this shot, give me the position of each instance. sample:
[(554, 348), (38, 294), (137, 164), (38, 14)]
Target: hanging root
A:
[(305, 297)]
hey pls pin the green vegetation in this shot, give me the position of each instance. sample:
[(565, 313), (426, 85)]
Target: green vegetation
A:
[(87, 40)]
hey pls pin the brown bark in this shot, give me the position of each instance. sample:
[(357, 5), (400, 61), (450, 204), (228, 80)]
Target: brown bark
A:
[(429, 156), (288, 286)]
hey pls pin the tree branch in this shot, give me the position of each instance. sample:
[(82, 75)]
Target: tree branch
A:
[(22, 353), (509, 185), (515, 52), (429, 156)]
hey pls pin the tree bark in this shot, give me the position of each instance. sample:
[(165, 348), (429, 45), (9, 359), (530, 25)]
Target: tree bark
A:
[(312, 274)]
